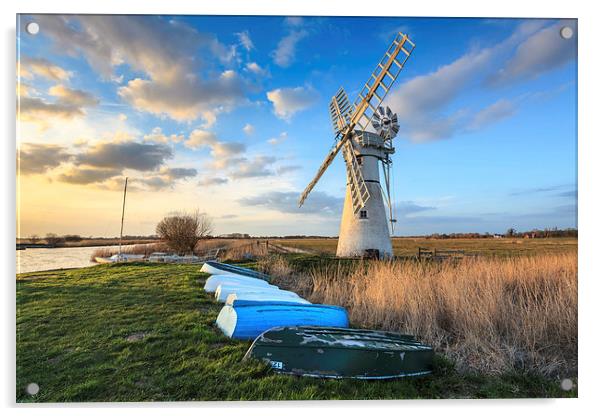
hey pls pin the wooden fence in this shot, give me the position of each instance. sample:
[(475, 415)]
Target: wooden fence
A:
[(434, 254)]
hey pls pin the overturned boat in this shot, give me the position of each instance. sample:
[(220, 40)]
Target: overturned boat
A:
[(224, 290), (263, 297), (214, 267), (248, 319), (212, 283), (342, 353), (120, 258)]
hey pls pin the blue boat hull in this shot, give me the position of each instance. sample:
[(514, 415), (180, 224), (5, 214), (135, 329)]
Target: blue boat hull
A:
[(248, 319)]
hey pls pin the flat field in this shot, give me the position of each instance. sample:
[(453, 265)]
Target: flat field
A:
[(408, 246)]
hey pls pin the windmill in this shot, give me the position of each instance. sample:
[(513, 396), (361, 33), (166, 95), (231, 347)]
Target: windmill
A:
[(364, 224)]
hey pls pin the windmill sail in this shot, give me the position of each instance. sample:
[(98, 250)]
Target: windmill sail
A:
[(340, 111), (359, 189), (346, 117), (384, 75)]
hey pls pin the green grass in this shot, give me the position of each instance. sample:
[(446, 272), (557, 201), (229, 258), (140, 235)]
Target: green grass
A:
[(72, 340)]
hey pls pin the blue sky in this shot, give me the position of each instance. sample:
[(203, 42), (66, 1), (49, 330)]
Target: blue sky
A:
[(230, 115)]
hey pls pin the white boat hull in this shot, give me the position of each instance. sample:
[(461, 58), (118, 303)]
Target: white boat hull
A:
[(215, 280), (223, 291), (264, 297)]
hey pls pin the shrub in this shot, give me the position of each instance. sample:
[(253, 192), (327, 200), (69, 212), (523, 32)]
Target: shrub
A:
[(182, 231)]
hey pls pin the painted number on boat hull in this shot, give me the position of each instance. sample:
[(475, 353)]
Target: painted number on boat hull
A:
[(277, 365)]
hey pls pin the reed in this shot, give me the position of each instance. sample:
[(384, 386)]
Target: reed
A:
[(490, 315), (239, 250), (145, 249), (202, 248)]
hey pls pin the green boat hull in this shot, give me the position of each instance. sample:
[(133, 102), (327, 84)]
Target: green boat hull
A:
[(342, 353)]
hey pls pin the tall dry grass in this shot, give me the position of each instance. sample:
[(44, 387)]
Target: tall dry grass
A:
[(240, 250), (145, 249), (488, 314), (282, 273), (202, 248)]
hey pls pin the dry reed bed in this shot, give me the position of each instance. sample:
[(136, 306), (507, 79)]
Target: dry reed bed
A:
[(145, 249), (491, 315), (240, 250), (203, 247)]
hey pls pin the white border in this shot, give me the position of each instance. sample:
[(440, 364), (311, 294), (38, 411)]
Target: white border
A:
[(590, 273)]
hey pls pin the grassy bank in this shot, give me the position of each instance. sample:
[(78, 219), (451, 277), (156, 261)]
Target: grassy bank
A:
[(145, 332)]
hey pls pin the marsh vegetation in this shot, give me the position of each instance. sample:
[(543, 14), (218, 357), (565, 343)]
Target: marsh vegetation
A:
[(503, 325)]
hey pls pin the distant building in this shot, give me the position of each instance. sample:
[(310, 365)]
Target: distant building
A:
[(498, 236)]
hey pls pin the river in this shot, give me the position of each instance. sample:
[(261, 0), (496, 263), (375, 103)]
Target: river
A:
[(38, 259)]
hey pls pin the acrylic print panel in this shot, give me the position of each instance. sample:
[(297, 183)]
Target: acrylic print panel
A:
[(393, 200)]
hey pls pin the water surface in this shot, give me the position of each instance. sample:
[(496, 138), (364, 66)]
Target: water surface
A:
[(38, 259)]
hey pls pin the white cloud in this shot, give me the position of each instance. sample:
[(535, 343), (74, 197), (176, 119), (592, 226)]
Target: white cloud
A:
[(288, 202), (227, 149), (256, 69), (30, 67), (126, 155), (252, 168), (104, 164), (284, 55), (166, 51), (288, 101), (277, 140), (416, 100), (201, 138), (295, 21), (219, 149), (493, 113), (245, 40), (423, 103), (288, 168), (34, 158), (185, 97), (542, 52), (69, 104), (166, 178), (249, 129), (87, 175), (157, 136), (213, 181), (75, 98)]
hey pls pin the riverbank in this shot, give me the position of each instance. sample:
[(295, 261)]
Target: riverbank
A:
[(145, 332), (89, 242)]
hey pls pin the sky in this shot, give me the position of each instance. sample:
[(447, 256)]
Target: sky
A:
[(228, 115)]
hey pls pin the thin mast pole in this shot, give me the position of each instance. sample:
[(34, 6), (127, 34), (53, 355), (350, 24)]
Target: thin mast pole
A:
[(125, 188)]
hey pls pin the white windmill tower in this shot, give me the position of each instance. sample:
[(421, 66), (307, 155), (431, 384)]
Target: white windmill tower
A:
[(364, 224)]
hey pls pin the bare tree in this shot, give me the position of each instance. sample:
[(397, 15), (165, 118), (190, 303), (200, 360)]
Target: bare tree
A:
[(182, 231), (52, 239), (34, 239)]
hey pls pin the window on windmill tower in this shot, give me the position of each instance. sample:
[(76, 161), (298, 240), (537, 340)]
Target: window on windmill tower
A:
[(363, 214)]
